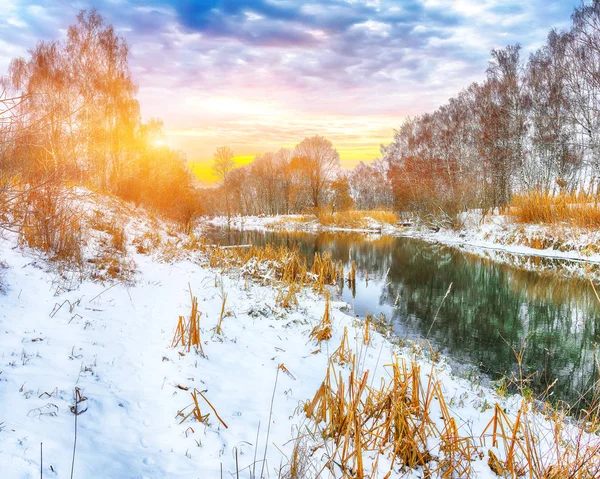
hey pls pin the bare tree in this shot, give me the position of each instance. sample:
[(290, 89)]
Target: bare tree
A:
[(223, 164), (318, 162)]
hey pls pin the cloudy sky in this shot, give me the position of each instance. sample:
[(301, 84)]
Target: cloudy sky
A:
[(262, 74)]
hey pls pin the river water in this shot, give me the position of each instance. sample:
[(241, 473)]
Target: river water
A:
[(491, 310)]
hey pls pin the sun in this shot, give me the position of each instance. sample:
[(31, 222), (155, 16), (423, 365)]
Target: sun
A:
[(159, 142)]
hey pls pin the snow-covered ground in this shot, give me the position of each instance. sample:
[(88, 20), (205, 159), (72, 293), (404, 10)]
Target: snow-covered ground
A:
[(62, 332), (293, 223)]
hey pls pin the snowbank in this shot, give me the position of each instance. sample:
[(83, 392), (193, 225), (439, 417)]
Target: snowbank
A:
[(111, 342)]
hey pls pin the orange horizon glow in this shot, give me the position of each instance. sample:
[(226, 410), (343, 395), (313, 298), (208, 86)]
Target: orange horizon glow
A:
[(202, 168), (251, 131)]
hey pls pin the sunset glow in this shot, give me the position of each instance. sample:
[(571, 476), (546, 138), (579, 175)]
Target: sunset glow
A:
[(262, 75)]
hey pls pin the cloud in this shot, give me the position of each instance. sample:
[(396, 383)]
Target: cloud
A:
[(265, 64)]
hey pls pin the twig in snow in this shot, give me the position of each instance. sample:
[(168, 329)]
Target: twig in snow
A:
[(255, 451), (75, 410), (102, 292), (269, 426)]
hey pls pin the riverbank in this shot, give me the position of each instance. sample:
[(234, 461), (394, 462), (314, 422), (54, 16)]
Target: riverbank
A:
[(282, 382), (493, 236), (355, 221)]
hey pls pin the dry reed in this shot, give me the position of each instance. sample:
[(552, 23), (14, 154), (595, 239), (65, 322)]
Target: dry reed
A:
[(187, 332), (539, 207), (407, 420)]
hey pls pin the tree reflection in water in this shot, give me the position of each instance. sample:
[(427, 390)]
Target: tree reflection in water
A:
[(490, 304)]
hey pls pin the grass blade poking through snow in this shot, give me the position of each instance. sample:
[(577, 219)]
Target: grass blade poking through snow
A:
[(187, 332), (219, 331), (322, 332)]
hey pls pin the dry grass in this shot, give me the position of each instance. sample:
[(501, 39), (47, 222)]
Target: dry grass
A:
[(51, 223), (272, 263), (147, 242), (574, 209), (322, 331), (326, 270), (187, 332), (350, 219), (407, 420), (110, 268), (355, 219), (196, 412), (298, 219), (382, 216), (286, 298), (116, 233), (222, 315), (343, 219)]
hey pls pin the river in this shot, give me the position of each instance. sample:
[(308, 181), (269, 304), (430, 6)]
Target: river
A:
[(491, 311)]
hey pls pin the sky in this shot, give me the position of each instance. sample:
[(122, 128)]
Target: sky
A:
[(261, 74)]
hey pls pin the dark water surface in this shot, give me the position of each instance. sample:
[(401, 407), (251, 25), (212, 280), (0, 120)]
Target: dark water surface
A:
[(489, 304)]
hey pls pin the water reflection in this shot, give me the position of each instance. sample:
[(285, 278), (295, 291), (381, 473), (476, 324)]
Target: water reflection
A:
[(489, 305)]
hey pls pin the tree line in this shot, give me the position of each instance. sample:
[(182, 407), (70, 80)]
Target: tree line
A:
[(69, 115), (306, 178), (532, 124)]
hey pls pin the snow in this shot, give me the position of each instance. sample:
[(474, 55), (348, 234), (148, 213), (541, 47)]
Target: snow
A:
[(292, 223), (112, 340)]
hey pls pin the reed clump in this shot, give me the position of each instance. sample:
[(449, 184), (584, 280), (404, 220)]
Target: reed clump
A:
[(383, 216), (277, 263), (322, 332), (576, 209), (407, 420), (351, 219), (326, 270), (287, 295), (187, 332)]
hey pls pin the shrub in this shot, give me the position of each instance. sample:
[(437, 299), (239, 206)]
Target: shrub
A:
[(51, 223), (540, 207)]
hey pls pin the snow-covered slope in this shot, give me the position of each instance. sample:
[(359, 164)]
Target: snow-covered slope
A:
[(110, 343)]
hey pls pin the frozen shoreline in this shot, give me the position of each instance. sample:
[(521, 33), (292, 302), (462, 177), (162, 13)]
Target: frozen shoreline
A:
[(493, 237), (113, 342)]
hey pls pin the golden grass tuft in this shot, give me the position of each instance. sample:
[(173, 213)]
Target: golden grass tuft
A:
[(187, 332), (382, 216), (579, 210), (356, 219), (277, 263), (351, 219), (286, 298), (322, 332), (407, 419)]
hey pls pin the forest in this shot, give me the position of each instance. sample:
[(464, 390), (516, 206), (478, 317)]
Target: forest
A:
[(70, 116)]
